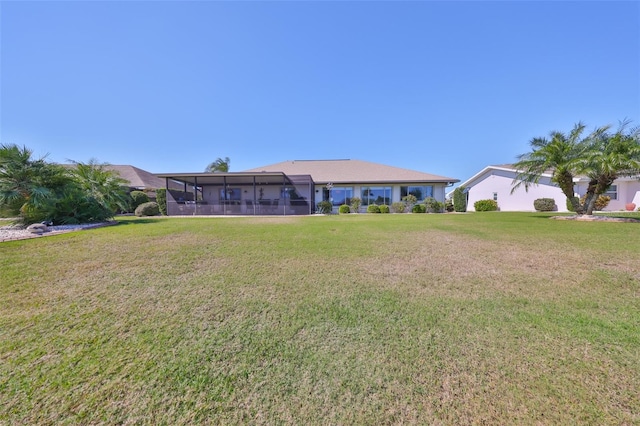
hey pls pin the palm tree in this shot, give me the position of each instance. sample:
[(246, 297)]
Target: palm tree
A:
[(25, 183), (610, 156), (560, 155), (219, 166), (104, 186)]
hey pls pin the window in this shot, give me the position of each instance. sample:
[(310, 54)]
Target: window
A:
[(376, 195), (612, 192), (230, 194), (420, 192), (338, 195)]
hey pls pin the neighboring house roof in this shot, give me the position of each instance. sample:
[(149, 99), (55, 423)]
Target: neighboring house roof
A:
[(350, 171), (137, 178), (502, 167)]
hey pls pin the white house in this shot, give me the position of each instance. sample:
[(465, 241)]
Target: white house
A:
[(496, 183)]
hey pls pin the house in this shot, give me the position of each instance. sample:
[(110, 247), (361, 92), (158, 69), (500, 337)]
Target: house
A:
[(296, 187), (496, 183), (138, 179)]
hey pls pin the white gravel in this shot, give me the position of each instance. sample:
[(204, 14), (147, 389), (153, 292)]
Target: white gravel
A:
[(12, 232)]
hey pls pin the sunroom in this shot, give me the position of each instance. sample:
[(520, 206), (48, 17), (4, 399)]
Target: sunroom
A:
[(238, 193)]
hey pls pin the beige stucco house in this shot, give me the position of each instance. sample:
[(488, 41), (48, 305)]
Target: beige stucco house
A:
[(297, 186)]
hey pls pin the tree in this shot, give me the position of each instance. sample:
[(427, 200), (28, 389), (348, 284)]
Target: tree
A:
[(26, 184), (219, 166), (561, 155), (602, 156), (610, 156), (459, 200), (104, 186)]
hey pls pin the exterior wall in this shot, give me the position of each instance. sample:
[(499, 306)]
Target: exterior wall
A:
[(501, 182), (628, 192), (438, 191)]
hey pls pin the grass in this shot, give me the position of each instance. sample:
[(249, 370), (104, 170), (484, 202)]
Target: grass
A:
[(499, 318)]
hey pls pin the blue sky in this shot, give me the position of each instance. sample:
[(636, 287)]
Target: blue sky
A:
[(439, 87)]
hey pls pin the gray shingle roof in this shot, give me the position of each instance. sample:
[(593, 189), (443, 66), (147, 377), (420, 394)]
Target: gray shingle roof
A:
[(350, 171)]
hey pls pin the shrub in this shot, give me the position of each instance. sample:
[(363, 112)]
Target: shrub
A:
[(355, 204), (601, 202), (544, 204), (448, 205), (161, 199), (459, 199), (570, 205), (148, 209), (630, 207), (431, 205), (373, 208), (324, 207), (485, 205), (398, 207), (419, 208), (409, 201), (344, 209), (384, 209), (137, 198)]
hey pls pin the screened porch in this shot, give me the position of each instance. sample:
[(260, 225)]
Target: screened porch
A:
[(265, 193)]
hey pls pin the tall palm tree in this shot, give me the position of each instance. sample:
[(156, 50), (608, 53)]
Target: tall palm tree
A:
[(220, 165), (610, 156), (560, 155)]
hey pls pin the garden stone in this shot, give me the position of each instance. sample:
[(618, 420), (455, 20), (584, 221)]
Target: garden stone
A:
[(37, 228)]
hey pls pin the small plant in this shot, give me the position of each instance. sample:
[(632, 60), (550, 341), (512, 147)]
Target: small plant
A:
[(137, 198), (601, 202), (344, 209), (398, 207), (384, 209), (448, 205), (485, 206), (373, 208), (409, 201), (419, 208), (544, 204), (630, 207), (570, 204), (161, 199), (148, 209), (431, 205), (355, 204), (324, 207)]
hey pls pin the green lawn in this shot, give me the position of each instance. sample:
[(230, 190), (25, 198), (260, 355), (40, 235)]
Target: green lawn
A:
[(485, 318)]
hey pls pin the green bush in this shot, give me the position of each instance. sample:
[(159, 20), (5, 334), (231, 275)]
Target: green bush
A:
[(431, 205), (459, 200), (343, 209), (161, 199), (544, 204), (448, 205), (148, 209), (485, 205), (570, 206), (324, 207), (419, 208), (373, 208), (355, 204), (384, 209), (398, 207), (137, 198)]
